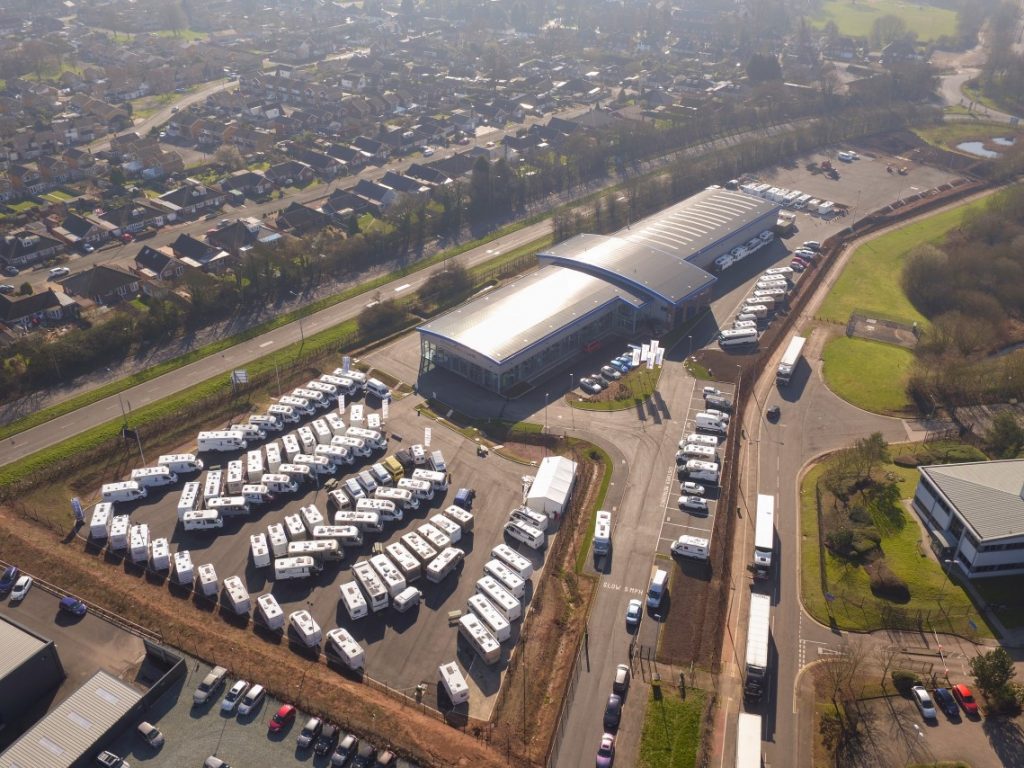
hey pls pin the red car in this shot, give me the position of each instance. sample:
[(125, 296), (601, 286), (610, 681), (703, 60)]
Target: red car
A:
[(963, 696), (284, 717)]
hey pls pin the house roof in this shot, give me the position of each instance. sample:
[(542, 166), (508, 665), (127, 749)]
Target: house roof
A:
[(301, 217), (16, 307), (25, 243), (152, 259), (989, 495), (187, 246), (98, 281), (76, 225)]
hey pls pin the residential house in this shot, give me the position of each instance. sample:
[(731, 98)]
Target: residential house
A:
[(426, 174), (290, 173), (343, 204), (102, 285), (404, 184), (22, 249), (26, 180), (377, 150), (899, 51), (354, 159), (158, 268), (193, 198), (250, 183), (44, 308), (200, 255), (298, 219), (376, 193), (242, 235), (133, 217), (323, 165), (75, 230)]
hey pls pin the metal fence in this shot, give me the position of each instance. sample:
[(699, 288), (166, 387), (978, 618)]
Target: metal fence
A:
[(566, 705)]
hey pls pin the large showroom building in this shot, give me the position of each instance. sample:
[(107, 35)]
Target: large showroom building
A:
[(644, 279)]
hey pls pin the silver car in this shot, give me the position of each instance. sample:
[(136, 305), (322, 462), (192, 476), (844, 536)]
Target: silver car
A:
[(695, 503)]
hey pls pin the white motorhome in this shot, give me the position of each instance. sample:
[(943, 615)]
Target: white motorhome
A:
[(256, 493), (294, 527), (710, 422), (290, 446), (530, 517), (237, 595), (343, 384), (277, 539), (321, 550), (235, 477), (356, 445), (99, 524), (229, 506), (307, 440), (366, 521), (182, 463), (300, 567), (520, 565), (260, 550), (319, 399), (736, 337), (327, 390), (311, 517), (270, 611), (408, 598), (446, 526), (420, 548), (373, 587), (345, 535), (335, 454), (525, 533), (266, 422), (321, 431), (160, 555), (505, 576), (138, 541), (603, 532), (420, 489), (306, 628), (125, 491), (221, 440), (387, 510), (286, 414), (298, 472), (213, 484), (698, 439), (506, 603), (400, 497), (183, 570), (280, 483), (433, 536), (373, 438), (119, 526), (759, 311), (389, 573), (461, 517), (339, 499), (449, 559), (694, 451), (152, 477), (453, 682), (335, 423), (691, 546), (353, 600), (706, 471), (300, 405), (358, 378), (250, 432), (254, 466), (206, 579), (407, 563), (202, 520), (490, 616), (479, 638), (189, 498), (346, 648), (438, 480)]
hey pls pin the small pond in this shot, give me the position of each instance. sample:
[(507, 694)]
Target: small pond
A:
[(976, 148)]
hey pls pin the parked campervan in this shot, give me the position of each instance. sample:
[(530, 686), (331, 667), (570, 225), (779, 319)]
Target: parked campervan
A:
[(284, 413), (213, 485), (345, 535), (254, 466), (343, 384), (505, 576), (307, 440), (491, 617), (99, 524), (433, 536), (378, 388), (519, 564), (710, 423), (389, 512), (329, 391), (319, 465), (695, 451), (189, 498), (221, 440), (735, 337), (182, 463), (260, 550), (277, 539), (389, 573), (250, 432), (698, 439), (365, 478), (202, 520), (758, 310), (525, 533), (658, 587), (704, 471), (119, 525), (206, 576), (479, 638), (256, 493), (503, 600), (300, 404), (295, 567), (270, 611), (346, 649), (374, 438), (373, 587), (321, 550), (402, 498), (306, 628), (419, 547), (319, 399), (228, 506), (138, 543), (339, 499), (420, 489), (311, 517), (273, 454), (321, 431), (298, 472), (438, 480), (353, 600), (454, 683), (183, 571), (447, 561), (381, 474), (235, 477), (356, 445), (366, 521), (280, 483), (354, 490), (448, 527), (691, 546), (407, 599), (294, 527), (537, 519), (266, 422), (460, 516), (129, 490), (335, 454), (407, 563)]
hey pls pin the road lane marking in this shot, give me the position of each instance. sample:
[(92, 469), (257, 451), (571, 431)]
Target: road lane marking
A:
[(266, 344), (403, 287)]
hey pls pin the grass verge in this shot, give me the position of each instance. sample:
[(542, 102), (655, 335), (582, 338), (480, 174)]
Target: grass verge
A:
[(868, 374), (634, 388), (672, 728), (602, 491), (927, 22), (870, 281), (938, 601)]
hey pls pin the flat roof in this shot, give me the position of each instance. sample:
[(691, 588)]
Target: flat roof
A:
[(505, 322), (74, 727), (19, 646), (987, 494), (699, 222), (636, 265)]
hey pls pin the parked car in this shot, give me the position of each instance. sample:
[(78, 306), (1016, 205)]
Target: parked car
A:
[(8, 578), (606, 751), (73, 605), (21, 588), (634, 612), (210, 686), (963, 696), (797, 265), (811, 245), (344, 751), (924, 702), (364, 756), (385, 759), (151, 734), (284, 717), (590, 386), (696, 503), (946, 702), (6, 288), (773, 412), (327, 740), (252, 700), (10, 270), (215, 762), (110, 760), (613, 713), (618, 365), (59, 272), (598, 379), (310, 731), (712, 392), (693, 489), (234, 696), (88, 248), (611, 374), (620, 683)]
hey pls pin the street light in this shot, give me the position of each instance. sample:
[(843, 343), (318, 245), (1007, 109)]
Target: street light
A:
[(572, 411), (302, 335)]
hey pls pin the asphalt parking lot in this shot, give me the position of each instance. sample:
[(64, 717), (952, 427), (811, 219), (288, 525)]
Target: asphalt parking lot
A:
[(402, 650)]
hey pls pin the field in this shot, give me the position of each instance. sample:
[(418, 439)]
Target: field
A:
[(938, 601), (856, 18), (869, 374), (948, 135), (671, 736)]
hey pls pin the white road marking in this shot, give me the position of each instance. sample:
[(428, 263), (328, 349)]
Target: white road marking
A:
[(403, 287), (266, 344)]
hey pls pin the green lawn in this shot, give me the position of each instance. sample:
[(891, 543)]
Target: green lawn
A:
[(24, 205), (856, 18), (1004, 595), (870, 281), (637, 385), (182, 34), (672, 727), (945, 605), (948, 135), (869, 374)]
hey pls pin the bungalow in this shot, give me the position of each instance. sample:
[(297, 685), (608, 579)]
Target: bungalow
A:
[(75, 230), (377, 150), (102, 284), (342, 204), (133, 217), (250, 183), (157, 264), (324, 166), (240, 236), (25, 248), (193, 197), (404, 184), (427, 175), (299, 219), (290, 173), (46, 307), (196, 253), (378, 194), (354, 158)]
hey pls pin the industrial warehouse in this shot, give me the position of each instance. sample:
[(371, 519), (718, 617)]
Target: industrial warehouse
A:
[(647, 278)]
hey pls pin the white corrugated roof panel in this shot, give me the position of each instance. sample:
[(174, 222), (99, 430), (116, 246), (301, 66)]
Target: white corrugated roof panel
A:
[(18, 646)]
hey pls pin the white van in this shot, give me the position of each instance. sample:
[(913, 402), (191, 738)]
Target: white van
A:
[(407, 599), (353, 600), (378, 388), (365, 479), (202, 520), (284, 413), (126, 491), (300, 404), (354, 490), (181, 462), (221, 440), (420, 489), (389, 512), (710, 422), (153, 477), (691, 546), (527, 534), (280, 483), (656, 591)]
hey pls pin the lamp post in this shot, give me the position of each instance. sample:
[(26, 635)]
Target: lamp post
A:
[(572, 411), (302, 335)]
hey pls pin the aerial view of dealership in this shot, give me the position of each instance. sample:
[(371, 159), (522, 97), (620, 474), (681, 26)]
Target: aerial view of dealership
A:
[(451, 383)]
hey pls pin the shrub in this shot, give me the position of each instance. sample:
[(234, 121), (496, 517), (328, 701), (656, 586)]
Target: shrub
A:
[(909, 461), (865, 542), (886, 584), (904, 680), (860, 515), (840, 541)]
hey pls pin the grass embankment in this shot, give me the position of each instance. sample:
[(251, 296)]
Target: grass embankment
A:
[(939, 601), (672, 728), (602, 491), (868, 374), (928, 22)]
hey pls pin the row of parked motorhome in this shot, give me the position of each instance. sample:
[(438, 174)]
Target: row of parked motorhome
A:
[(770, 293), (790, 198)]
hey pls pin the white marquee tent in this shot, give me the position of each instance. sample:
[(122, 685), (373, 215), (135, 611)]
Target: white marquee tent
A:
[(552, 487)]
